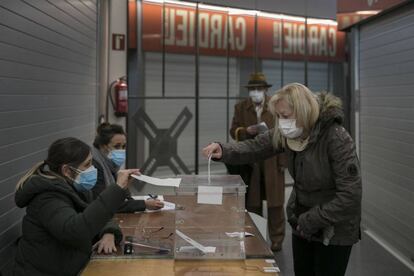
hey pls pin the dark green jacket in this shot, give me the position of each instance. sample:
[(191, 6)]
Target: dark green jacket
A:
[(327, 190), (130, 205), (60, 226), (107, 171)]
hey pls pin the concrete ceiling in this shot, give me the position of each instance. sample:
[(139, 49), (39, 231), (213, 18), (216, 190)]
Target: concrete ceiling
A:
[(311, 8)]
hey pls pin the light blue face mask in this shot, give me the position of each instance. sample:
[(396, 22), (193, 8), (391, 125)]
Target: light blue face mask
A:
[(86, 179), (117, 156)]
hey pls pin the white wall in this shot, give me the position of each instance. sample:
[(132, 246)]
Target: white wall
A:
[(117, 59)]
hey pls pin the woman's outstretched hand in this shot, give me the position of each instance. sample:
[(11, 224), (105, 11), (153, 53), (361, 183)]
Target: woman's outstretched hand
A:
[(124, 177), (213, 149)]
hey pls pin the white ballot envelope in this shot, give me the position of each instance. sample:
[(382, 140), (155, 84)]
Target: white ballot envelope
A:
[(167, 182)]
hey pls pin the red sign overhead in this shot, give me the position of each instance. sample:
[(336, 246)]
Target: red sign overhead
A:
[(221, 32), (350, 12)]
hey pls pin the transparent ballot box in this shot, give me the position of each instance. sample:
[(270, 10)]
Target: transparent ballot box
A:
[(209, 217), (145, 235)]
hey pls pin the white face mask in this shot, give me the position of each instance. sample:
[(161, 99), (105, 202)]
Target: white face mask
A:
[(257, 96), (288, 128)]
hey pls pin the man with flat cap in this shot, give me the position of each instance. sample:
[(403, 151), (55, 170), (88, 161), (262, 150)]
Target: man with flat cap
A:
[(265, 179)]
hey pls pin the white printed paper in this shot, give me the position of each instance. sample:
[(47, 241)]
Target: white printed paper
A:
[(167, 182), (209, 162), (238, 234), (146, 197), (187, 249), (168, 206), (204, 249), (210, 195), (271, 269)]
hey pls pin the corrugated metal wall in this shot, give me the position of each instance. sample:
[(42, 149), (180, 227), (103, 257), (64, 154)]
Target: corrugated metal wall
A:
[(47, 90), (387, 128)]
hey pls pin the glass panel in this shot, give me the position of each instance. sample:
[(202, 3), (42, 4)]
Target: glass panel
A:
[(293, 72), (318, 76), (277, 49), (212, 128), (272, 70), (205, 218), (169, 136), (213, 76), (153, 74), (180, 73)]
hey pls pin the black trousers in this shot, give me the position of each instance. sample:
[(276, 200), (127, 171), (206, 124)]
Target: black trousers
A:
[(315, 259)]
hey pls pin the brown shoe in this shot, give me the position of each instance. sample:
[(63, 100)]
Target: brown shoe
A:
[(276, 247)]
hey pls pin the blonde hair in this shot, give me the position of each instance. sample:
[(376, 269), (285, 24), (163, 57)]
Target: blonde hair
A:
[(36, 170), (305, 108), (70, 151)]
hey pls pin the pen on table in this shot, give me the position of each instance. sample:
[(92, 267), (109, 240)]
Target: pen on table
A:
[(152, 196)]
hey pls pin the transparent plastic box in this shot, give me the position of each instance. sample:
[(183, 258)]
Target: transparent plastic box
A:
[(201, 229)]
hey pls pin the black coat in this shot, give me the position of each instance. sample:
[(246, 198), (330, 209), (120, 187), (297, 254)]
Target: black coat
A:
[(60, 226), (130, 205), (328, 190)]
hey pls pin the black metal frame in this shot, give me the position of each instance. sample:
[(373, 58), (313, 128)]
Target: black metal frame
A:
[(136, 69)]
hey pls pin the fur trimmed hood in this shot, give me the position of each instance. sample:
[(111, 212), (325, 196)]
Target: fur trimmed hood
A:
[(330, 112)]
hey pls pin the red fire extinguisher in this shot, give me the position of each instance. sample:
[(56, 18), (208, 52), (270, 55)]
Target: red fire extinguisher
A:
[(120, 88)]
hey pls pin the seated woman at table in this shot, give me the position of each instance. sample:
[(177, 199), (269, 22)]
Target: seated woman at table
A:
[(62, 224), (108, 153)]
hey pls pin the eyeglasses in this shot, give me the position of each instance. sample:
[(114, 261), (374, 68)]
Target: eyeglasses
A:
[(75, 170)]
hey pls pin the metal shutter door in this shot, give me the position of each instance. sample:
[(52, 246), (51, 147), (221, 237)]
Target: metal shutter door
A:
[(48, 90), (387, 128)]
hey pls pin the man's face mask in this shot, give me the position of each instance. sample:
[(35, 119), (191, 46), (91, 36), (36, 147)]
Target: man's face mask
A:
[(117, 156), (288, 128), (86, 179), (257, 96)]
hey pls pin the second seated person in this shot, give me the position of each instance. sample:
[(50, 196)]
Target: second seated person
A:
[(108, 153)]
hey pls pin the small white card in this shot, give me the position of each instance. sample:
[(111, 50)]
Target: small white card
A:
[(210, 195)]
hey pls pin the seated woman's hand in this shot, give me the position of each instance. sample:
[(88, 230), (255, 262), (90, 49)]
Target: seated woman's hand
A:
[(154, 204), (106, 244), (213, 149), (124, 177)]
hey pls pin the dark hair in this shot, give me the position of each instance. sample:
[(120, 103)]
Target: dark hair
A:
[(69, 150), (105, 132)]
